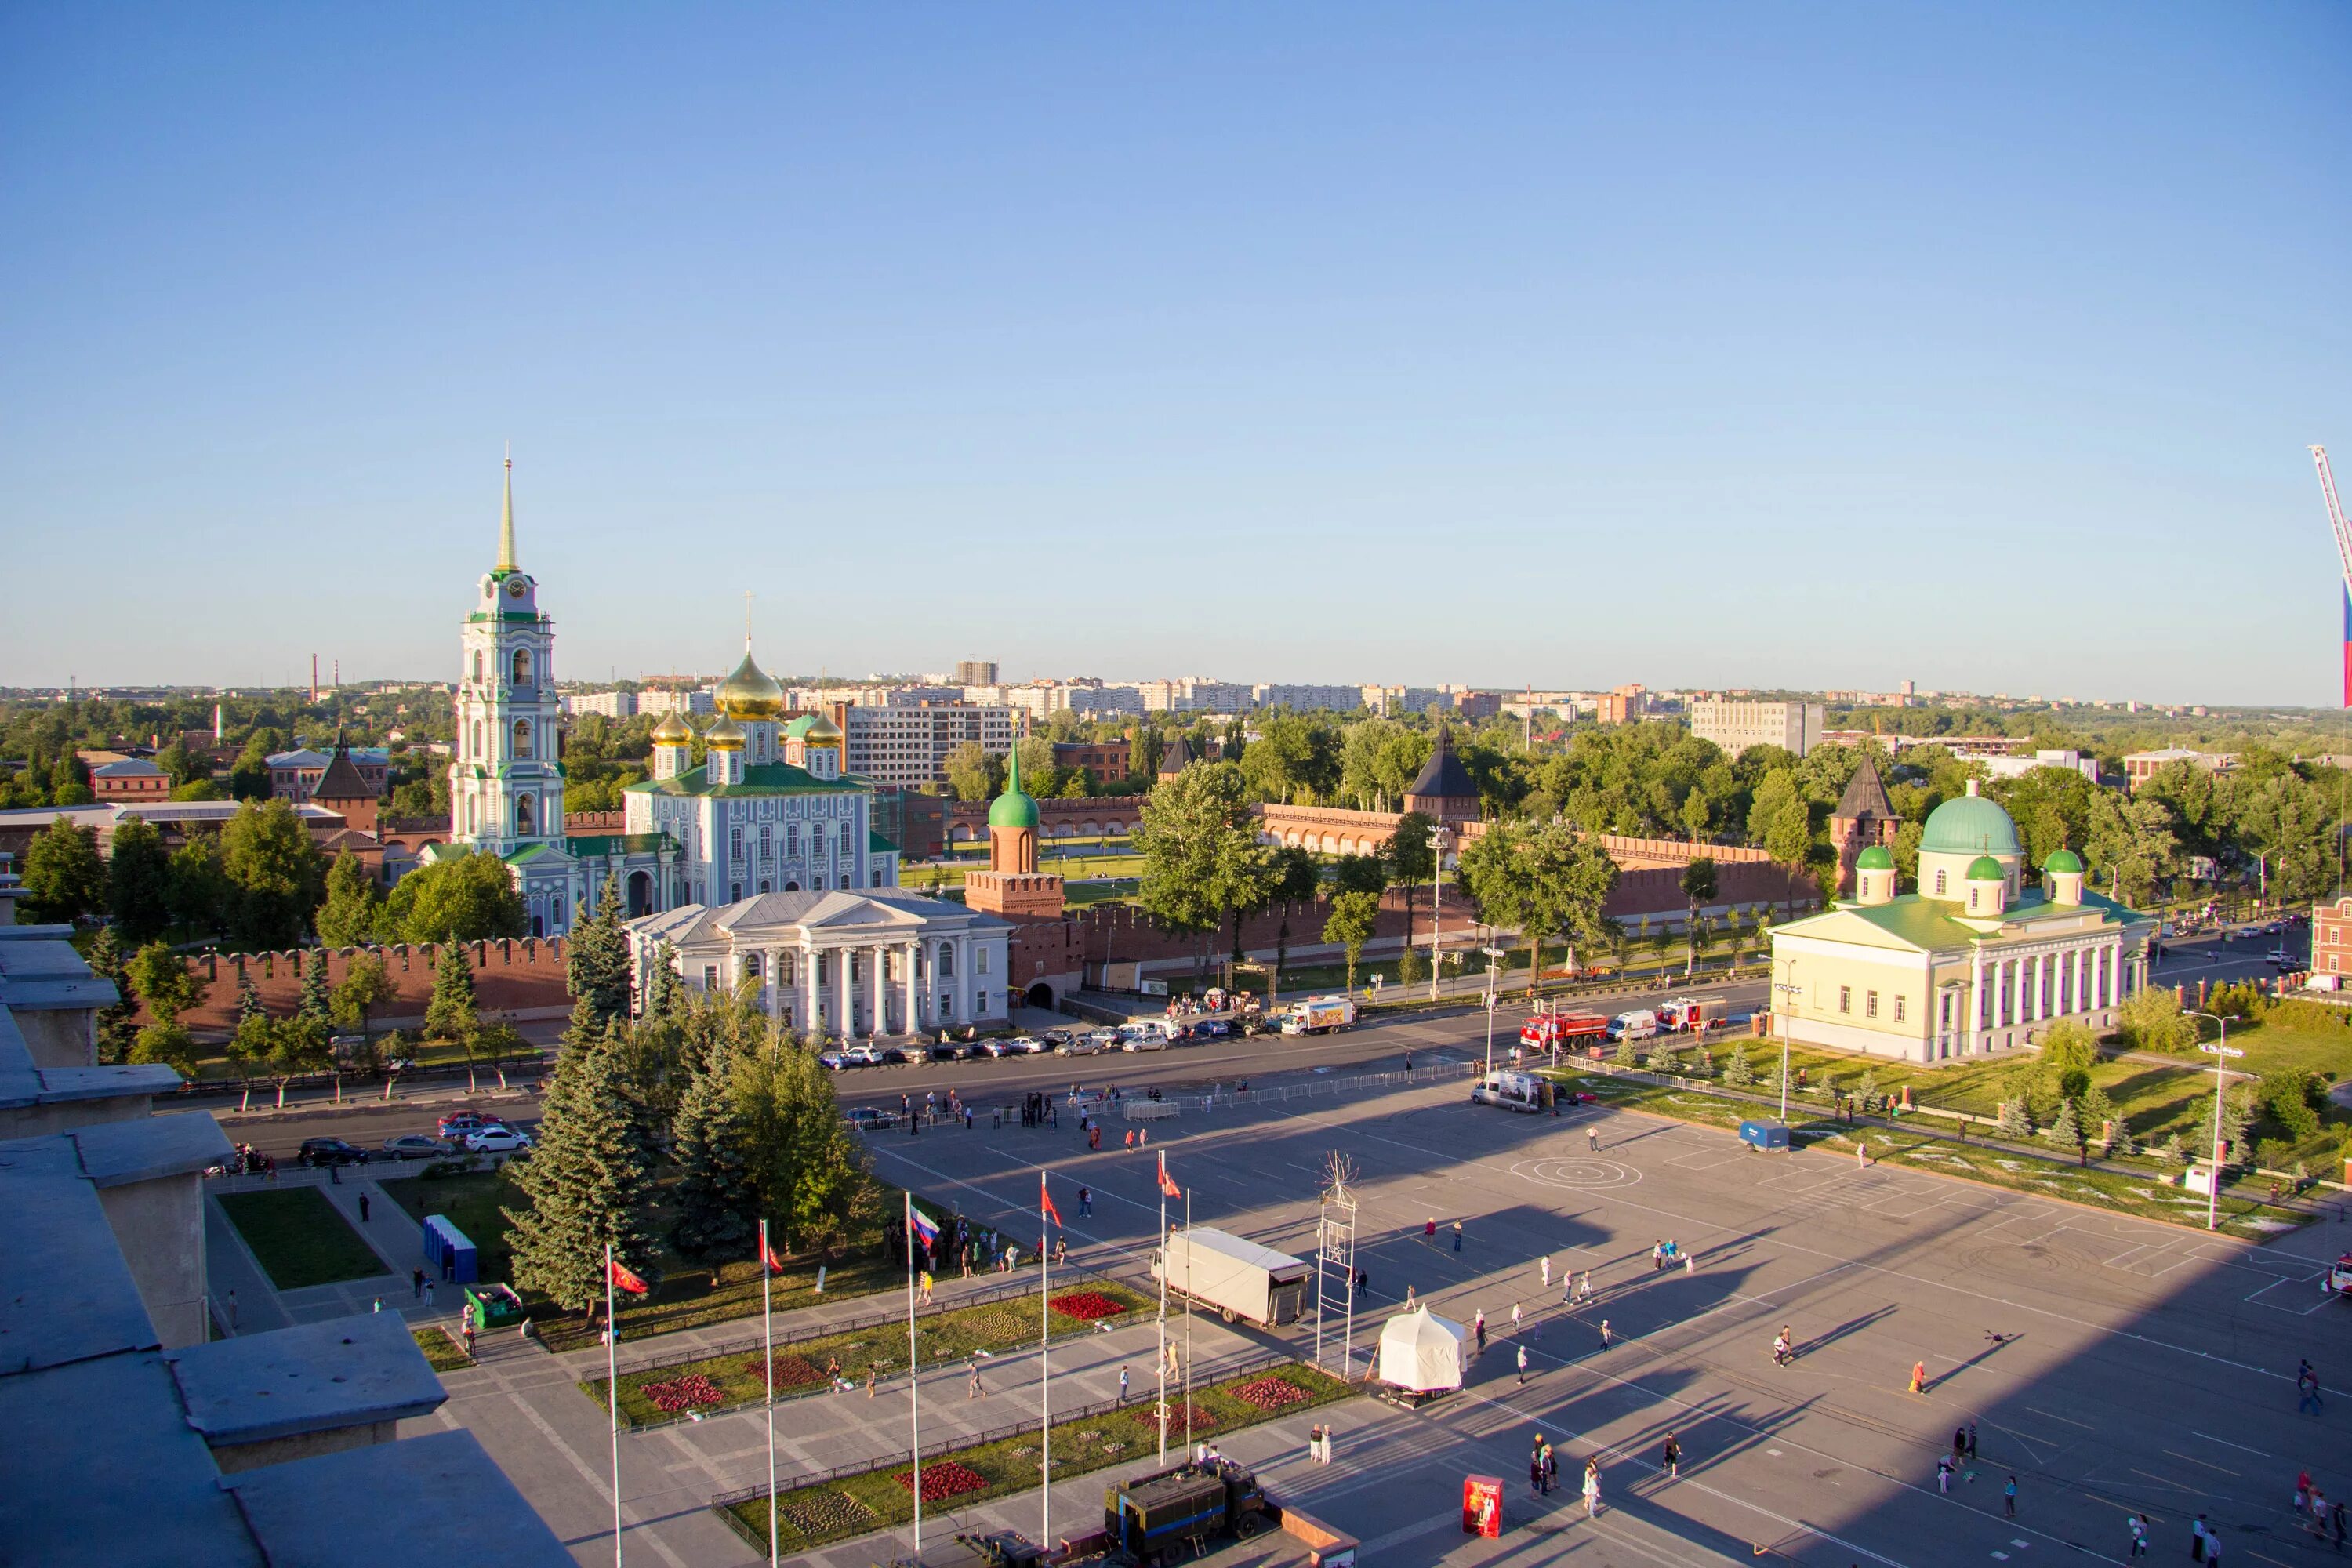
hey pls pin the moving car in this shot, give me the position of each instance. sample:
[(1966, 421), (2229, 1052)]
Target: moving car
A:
[(325, 1151), (1319, 1015), (1073, 1044), (457, 1123), (2280, 958), (1142, 1041), (1024, 1046), (498, 1141), (414, 1146), (1639, 1024), (870, 1117)]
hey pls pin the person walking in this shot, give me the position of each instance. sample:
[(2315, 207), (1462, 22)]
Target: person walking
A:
[(1944, 1473), (1535, 1468), (428, 1295), (975, 1391), (416, 1283), (2306, 1388), (1605, 1336), (1658, 1256), (2199, 1538), (364, 1208), (1690, 1264), (1478, 1328), (1584, 1285), (1122, 1386), (1515, 1320), (1086, 1201), (1523, 1366), (1593, 1138), (872, 1374), (1457, 1235), (2302, 1491), (1591, 1488), (1547, 1271), (2009, 1496), (1670, 1458), (2137, 1525), (1550, 1468), (1408, 1067), (1919, 1377)]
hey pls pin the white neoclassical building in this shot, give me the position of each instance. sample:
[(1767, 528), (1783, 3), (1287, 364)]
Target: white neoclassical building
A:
[(846, 963)]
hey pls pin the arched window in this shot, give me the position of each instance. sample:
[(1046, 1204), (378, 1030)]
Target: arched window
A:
[(522, 740), (477, 664), (473, 821), (523, 666), (1939, 884), (526, 816), (751, 967), (476, 754)]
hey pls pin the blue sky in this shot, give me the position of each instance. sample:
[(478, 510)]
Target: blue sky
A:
[(1729, 345)]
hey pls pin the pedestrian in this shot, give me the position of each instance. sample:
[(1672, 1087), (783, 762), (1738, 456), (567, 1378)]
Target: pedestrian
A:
[(975, 1391), (1094, 1138), (2137, 1525), (1086, 1201), (1690, 1264), (1122, 1386), (1523, 1366), (379, 1305), (1547, 1271), (469, 1339), (416, 1283), (926, 1278), (1408, 1067), (1534, 1466), (1658, 1256), (1918, 1377), (1429, 1228), (2335, 1525), (872, 1371), (1515, 1320), (335, 1172), (1592, 1139), (1584, 1285), (2306, 1385), (1781, 1354), (364, 1208), (2200, 1537), (1591, 1488), (1605, 1335), (428, 1295), (1457, 1235), (1131, 1138), (1972, 1441), (2302, 1491), (1408, 1298), (2009, 1496), (1670, 1458), (1143, 1139), (1478, 1326), (1944, 1473), (1363, 1283), (1959, 1442), (2318, 1513), (1551, 1468)]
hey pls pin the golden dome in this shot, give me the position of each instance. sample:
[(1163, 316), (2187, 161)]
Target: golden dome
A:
[(751, 692), (723, 736), (672, 730), (822, 731)]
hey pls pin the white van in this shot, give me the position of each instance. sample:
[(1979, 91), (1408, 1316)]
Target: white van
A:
[(1637, 1025)]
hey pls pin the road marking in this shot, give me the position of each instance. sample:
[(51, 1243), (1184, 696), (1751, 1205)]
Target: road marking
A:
[(2191, 1458), (2164, 1481), (2083, 1425), (2227, 1444)]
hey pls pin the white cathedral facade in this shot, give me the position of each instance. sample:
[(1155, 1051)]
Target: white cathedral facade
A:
[(709, 857)]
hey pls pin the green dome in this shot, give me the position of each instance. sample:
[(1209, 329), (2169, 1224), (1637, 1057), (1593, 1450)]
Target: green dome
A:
[(1877, 858), (1985, 868), (1969, 824), (2063, 861), (1012, 809)]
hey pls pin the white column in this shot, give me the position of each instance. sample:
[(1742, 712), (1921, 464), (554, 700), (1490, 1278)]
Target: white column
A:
[(913, 956), (2116, 972), (2017, 991), (1976, 1001), (807, 978), (2074, 987), (963, 979), (840, 992), (874, 955)]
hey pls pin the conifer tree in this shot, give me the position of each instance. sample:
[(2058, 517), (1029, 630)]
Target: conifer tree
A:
[(2014, 1123), (588, 1183), (115, 1033), (1736, 1073), (450, 1011), (2067, 1130), (2172, 1153), (714, 1189), (596, 964), (248, 1001), (316, 1004), (662, 989), (1625, 1057)]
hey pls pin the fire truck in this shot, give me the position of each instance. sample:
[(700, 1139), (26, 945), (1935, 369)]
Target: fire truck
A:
[(1562, 1031)]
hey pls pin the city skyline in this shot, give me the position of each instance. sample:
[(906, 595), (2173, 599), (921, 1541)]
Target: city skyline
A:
[(1370, 352)]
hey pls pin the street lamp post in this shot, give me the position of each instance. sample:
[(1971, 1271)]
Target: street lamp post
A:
[(1437, 837), (2221, 1053), (1493, 953), (1792, 990)]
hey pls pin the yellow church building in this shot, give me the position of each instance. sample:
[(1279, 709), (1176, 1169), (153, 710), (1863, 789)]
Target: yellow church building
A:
[(1974, 962)]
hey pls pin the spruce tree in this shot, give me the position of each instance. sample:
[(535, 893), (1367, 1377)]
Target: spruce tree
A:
[(316, 1004), (1736, 1073), (662, 989), (2067, 1130), (714, 1191), (596, 964), (248, 1001), (116, 1034), (1625, 1057), (2014, 1123), (588, 1185), (2172, 1153), (450, 1011)]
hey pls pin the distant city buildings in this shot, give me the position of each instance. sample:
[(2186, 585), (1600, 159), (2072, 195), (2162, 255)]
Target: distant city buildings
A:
[(2141, 766), (2018, 767), (1622, 705), (1735, 726), (905, 743), (1105, 762), (294, 775), (610, 704), (672, 700), (975, 672), (1310, 699), (132, 778)]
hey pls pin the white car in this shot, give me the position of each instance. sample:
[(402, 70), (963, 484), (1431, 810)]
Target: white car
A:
[(496, 1141), (1024, 1046)]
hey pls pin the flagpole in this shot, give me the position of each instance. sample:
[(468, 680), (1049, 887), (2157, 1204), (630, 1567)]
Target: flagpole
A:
[(612, 1397), (914, 1371), (1045, 1374), (768, 1366), (1188, 1320), (1163, 1308)]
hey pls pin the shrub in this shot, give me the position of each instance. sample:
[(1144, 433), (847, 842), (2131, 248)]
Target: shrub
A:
[(2313, 1017)]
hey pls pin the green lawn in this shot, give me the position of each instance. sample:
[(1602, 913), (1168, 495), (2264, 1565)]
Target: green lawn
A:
[(300, 1237), (944, 1336), (684, 1295), (445, 1352), (809, 1517)]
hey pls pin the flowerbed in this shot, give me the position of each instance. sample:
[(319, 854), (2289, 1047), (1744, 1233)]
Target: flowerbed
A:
[(1271, 1393), (1202, 1420), (792, 1371), (1086, 1306), (688, 1392), (821, 1511), (944, 1478)]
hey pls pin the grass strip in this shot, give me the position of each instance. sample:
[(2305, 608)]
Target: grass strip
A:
[(812, 1516), (443, 1351), (733, 1379), (300, 1237)]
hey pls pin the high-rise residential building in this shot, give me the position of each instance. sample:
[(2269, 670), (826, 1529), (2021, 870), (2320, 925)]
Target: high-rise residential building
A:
[(975, 672), (906, 745), (671, 700), (1622, 705), (1389, 702), (1309, 698), (1194, 694), (611, 704), (1735, 726)]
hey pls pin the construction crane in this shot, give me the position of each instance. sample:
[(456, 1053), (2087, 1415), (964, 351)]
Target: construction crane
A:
[(2343, 555)]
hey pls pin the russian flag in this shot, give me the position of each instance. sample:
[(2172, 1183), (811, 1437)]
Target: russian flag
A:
[(927, 1229)]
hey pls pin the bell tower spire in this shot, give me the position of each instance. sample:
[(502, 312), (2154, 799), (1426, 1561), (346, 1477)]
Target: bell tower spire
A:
[(505, 519)]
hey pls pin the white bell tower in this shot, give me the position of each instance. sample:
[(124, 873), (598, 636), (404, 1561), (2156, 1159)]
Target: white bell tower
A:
[(506, 783)]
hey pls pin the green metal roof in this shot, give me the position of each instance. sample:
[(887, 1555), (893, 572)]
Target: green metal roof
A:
[(1969, 824), (595, 846), (1985, 868), (1926, 923), (2063, 861), (1877, 858), (767, 778), (877, 845)]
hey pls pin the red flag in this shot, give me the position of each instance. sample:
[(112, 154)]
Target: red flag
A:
[(622, 1278), (768, 1256), (1045, 1200), (1166, 1182)]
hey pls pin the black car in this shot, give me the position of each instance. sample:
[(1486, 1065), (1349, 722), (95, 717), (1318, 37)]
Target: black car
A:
[(325, 1151), (901, 1054), (947, 1051)]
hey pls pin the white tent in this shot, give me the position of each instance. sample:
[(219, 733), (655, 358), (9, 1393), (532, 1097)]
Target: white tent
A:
[(1422, 1352)]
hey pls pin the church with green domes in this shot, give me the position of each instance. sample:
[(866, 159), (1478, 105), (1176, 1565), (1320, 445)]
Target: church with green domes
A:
[(1977, 960)]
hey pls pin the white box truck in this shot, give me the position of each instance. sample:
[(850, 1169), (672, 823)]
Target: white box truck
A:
[(1236, 1276), (1319, 1015)]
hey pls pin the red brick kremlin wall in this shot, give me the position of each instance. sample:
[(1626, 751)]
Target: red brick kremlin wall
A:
[(522, 978)]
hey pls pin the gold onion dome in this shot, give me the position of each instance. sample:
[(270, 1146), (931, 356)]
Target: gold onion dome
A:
[(672, 731), (723, 736), (751, 692), (821, 729)]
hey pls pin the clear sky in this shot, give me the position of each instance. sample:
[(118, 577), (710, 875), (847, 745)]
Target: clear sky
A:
[(1724, 344)]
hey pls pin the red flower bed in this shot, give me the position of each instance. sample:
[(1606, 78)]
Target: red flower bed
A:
[(1271, 1393), (792, 1371), (1202, 1420), (945, 1478), (684, 1392), (1086, 1306)]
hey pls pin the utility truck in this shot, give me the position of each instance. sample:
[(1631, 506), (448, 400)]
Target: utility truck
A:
[(1562, 1031), (1319, 1015), (1236, 1276)]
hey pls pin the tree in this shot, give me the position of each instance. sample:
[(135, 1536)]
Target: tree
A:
[(2130, 843), (1353, 917), (168, 1042), (315, 1005), (2013, 1122), (1294, 878), (803, 1165), (450, 1013), (1409, 856), (2067, 1130), (248, 1002), (1548, 879), (115, 1033), (662, 988), (596, 966), (1201, 854), (2102, 1122), (466, 898), (354, 912), (199, 891), (276, 878), (1779, 820), (165, 982), (1698, 891), (973, 772), (587, 1186), (249, 1049), (365, 986), (2151, 1020), (1738, 1073), (139, 880), (64, 878), (713, 1196)]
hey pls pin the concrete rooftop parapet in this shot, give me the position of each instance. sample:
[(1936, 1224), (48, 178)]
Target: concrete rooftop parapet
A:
[(115, 1152), (378, 1491), (345, 1372), (66, 1292)]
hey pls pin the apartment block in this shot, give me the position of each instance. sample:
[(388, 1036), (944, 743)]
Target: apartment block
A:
[(1735, 726)]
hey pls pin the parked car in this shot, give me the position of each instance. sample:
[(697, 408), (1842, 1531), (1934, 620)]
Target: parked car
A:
[(414, 1146), (899, 1054), (1143, 1042), (1103, 1039), (2280, 958), (457, 1123), (325, 1151), (1075, 1043), (1022, 1046), (948, 1051), (870, 1117), (1211, 1030), (498, 1141)]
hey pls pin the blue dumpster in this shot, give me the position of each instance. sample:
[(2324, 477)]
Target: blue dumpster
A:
[(448, 1255), (1764, 1135)]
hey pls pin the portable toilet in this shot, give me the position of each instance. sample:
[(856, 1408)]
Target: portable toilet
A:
[(448, 1255), (1764, 1135)]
